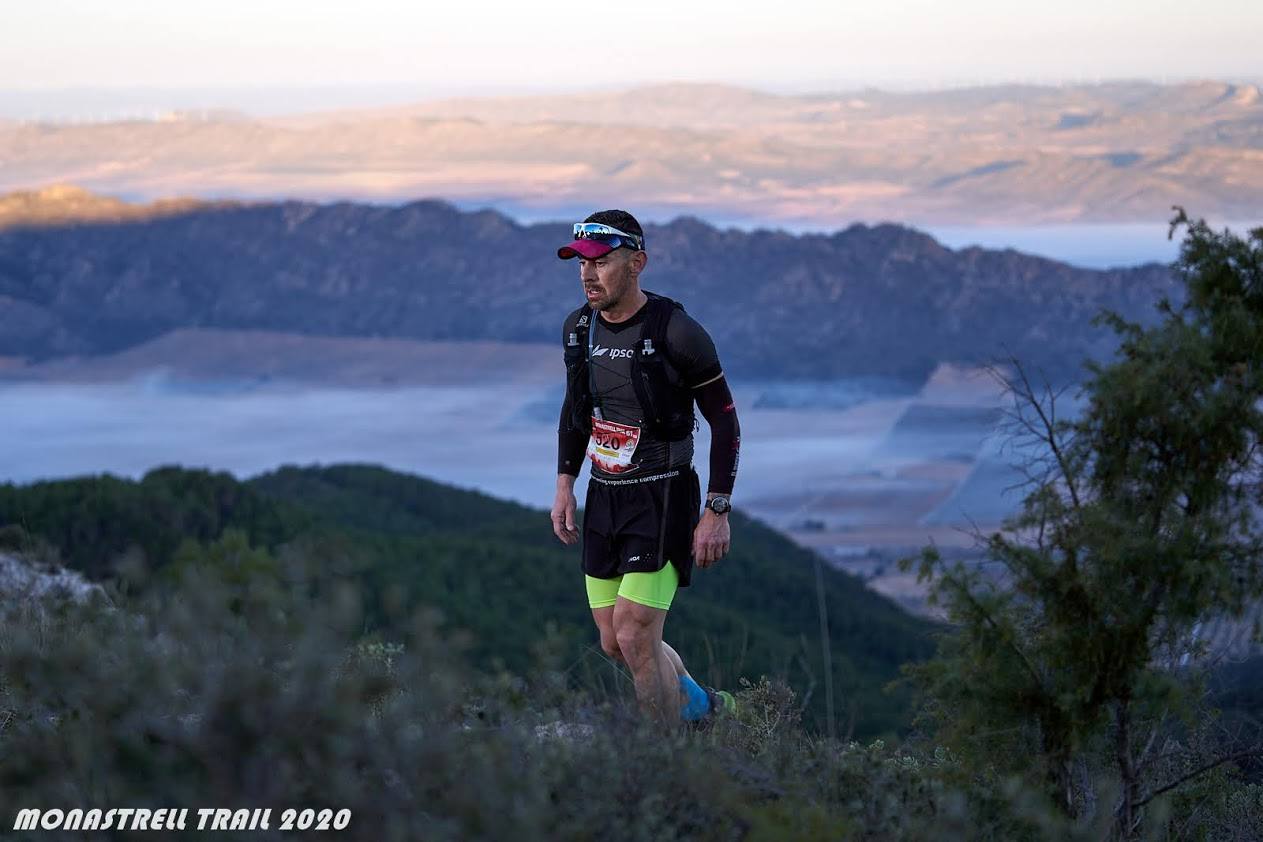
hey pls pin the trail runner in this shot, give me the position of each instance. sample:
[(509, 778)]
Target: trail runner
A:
[(636, 364)]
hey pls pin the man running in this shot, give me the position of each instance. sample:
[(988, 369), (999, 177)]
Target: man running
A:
[(635, 364)]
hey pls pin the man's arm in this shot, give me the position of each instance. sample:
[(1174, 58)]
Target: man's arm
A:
[(693, 354), (712, 538), (715, 401), (571, 445)]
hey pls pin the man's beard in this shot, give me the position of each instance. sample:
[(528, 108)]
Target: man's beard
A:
[(606, 300)]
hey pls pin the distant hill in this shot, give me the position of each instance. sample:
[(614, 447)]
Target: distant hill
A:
[(881, 300), (67, 203), (492, 567), (999, 155)]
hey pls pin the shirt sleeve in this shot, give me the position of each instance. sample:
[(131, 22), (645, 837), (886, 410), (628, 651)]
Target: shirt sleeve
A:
[(692, 352), (571, 443), (720, 411)]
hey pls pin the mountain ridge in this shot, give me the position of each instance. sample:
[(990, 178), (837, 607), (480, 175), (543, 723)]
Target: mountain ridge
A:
[(59, 204), (883, 299)]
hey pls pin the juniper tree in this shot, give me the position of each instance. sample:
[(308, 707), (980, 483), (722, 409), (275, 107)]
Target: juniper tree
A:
[(1140, 519)]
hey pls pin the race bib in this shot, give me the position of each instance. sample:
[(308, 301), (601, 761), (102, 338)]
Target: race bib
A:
[(611, 446)]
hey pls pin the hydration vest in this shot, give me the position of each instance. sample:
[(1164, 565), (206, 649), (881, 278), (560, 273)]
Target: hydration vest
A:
[(667, 406)]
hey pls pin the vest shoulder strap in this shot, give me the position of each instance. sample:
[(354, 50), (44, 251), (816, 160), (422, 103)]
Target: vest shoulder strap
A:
[(658, 312)]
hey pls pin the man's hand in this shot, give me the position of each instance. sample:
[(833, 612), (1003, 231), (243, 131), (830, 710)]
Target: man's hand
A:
[(711, 538), (564, 508)]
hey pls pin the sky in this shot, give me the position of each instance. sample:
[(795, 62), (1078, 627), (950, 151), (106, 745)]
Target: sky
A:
[(386, 49)]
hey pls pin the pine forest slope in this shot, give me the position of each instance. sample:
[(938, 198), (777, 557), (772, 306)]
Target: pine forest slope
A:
[(491, 567)]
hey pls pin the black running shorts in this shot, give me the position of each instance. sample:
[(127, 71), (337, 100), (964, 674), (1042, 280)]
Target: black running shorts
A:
[(637, 527)]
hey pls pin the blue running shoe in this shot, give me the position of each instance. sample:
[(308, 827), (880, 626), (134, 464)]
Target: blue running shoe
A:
[(697, 702)]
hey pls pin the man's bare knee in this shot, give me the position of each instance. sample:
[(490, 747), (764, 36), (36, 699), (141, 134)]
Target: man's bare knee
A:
[(636, 644), (637, 636), (604, 619)]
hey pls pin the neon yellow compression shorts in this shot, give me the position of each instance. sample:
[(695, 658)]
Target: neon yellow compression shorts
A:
[(655, 590)]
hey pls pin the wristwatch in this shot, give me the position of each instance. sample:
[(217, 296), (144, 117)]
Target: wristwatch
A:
[(719, 505)]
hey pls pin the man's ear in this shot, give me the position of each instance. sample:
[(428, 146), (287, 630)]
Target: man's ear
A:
[(638, 262)]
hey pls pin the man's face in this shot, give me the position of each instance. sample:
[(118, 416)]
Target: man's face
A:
[(610, 278)]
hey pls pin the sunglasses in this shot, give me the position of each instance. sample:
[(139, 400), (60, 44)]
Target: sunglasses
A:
[(608, 234)]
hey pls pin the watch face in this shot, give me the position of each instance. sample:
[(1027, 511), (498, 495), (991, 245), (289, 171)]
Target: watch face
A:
[(719, 505)]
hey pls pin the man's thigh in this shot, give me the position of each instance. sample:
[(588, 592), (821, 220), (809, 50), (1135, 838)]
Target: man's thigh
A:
[(602, 594), (604, 619)]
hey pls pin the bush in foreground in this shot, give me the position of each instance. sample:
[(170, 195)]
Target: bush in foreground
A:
[(226, 691)]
